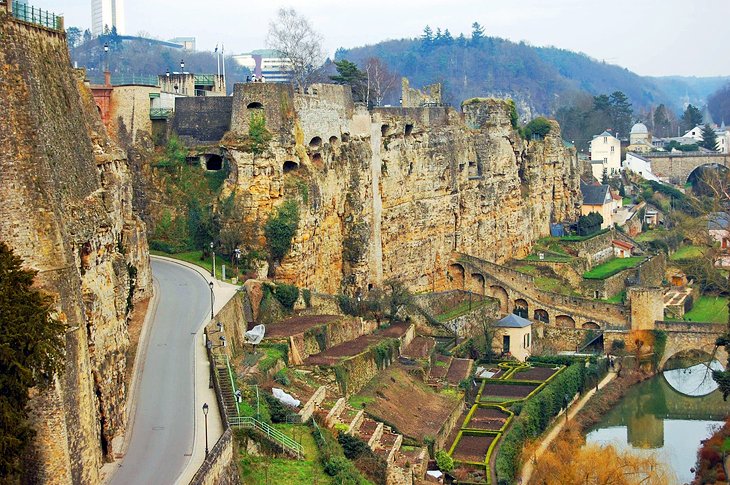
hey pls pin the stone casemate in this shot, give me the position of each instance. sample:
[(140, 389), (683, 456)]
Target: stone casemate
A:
[(392, 192)]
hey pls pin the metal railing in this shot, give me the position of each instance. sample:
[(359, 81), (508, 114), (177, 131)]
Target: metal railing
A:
[(160, 113), (272, 433), (135, 79), (33, 15), (205, 79)]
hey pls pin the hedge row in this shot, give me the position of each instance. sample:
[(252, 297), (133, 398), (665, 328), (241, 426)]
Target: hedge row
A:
[(535, 416)]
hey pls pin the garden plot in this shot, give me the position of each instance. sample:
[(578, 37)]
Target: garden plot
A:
[(535, 373), (350, 348), (472, 448), (489, 419), (496, 391), (296, 325)]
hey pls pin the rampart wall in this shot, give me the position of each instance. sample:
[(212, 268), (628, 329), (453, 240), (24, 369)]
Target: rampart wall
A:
[(202, 119)]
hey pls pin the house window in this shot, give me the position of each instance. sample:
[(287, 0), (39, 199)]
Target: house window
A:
[(605, 139), (612, 147), (526, 341)]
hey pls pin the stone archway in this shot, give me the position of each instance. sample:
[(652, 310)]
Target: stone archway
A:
[(542, 315), (565, 321), (591, 325), (501, 295), (477, 283), (456, 274), (521, 308)]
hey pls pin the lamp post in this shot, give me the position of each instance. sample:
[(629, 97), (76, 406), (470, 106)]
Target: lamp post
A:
[(212, 251), (205, 413), (210, 285), (182, 66)]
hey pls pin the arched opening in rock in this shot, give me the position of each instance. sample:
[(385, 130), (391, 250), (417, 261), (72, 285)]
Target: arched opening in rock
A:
[(409, 129), (345, 137), (333, 140), (213, 162), (384, 130), (317, 158), (255, 105), (290, 166), (315, 142)]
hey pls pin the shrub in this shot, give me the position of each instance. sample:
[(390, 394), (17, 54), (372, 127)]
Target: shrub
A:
[(282, 378), (352, 446), (539, 128), (278, 410), (444, 461), (280, 229), (257, 133), (307, 295), (286, 294), (589, 224)]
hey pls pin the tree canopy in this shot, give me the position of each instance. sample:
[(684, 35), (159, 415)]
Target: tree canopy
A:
[(709, 138), (31, 352), (691, 117)]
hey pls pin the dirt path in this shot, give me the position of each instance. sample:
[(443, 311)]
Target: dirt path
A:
[(558, 427)]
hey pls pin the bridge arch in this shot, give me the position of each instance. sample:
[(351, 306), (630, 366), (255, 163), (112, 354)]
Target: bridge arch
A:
[(685, 337), (477, 283), (704, 174), (496, 291), (592, 325), (522, 308), (565, 321), (542, 315), (456, 275)]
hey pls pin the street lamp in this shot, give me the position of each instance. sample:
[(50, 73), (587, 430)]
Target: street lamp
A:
[(167, 74), (212, 251), (205, 413), (182, 66), (106, 47), (210, 285)]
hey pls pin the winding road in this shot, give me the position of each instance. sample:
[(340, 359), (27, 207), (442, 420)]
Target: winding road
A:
[(163, 430)]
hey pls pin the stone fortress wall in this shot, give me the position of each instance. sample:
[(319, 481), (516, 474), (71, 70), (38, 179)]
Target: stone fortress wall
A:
[(393, 191), (67, 211)]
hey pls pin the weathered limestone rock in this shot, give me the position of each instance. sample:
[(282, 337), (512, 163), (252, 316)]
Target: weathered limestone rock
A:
[(67, 211), (392, 192)]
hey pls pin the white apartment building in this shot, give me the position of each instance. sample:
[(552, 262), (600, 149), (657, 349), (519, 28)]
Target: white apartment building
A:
[(107, 13), (605, 154), (268, 63)]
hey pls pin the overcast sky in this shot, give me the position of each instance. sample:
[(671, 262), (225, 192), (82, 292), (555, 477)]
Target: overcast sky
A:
[(649, 37)]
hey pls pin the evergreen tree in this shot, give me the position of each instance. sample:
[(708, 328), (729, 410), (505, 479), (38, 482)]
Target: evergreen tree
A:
[(31, 352), (662, 125), (621, 112), (427, 37), (447, 37), (437, 37), (477, 32), (709, 138), (461, 40), (348, 73), (691, 117)]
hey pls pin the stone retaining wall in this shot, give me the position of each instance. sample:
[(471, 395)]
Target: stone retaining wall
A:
[(219, 467)]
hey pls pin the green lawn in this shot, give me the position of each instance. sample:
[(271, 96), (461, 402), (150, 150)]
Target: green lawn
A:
[(359, 402), (650, 235), (549, 256), (461, 309), (527, 269), (687, 252), (616, 298), (708, 309), (194, 258), (261, 469), (627, 201), (554, 285), (610, 268)]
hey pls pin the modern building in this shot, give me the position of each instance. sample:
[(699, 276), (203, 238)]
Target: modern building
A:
[(189, 84), (107, 14), (269, 63), (187, 43), (605, 155)]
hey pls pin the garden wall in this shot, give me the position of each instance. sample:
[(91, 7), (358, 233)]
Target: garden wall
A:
[(320, 338), (596, 249), (219, 467)]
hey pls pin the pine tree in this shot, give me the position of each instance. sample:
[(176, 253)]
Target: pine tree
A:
[(427, 37), (709, 138), (661, 121), (31, 352), (691, 117), (447, 38), (477, 32), (621, 112)]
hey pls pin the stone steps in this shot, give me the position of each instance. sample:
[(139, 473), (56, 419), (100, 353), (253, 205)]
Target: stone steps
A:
[(229, 399)]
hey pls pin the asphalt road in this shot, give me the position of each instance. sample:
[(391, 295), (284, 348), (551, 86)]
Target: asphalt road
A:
[(162, 433)]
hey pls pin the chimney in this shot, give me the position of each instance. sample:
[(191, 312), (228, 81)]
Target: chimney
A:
[(107, 78)]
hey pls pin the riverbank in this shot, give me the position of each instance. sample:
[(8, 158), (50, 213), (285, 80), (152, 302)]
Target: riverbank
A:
[(586, 412)]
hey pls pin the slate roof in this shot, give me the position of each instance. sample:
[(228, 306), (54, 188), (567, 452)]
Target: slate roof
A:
[(513, 321), (718, 221), (594, 194)]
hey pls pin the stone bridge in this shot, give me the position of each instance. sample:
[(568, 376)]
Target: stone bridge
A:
[(684, 336), (517, 291), (679, 166)]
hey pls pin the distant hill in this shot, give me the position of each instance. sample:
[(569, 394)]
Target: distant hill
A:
[(538, 78)]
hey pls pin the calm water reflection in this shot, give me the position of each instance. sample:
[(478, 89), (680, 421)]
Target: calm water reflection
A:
[(666, 420)]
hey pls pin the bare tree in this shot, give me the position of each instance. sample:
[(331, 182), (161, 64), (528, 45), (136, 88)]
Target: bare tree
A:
[(295, 38), (380, 80)]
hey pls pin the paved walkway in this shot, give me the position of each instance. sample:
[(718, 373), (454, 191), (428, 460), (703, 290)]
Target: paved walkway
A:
[(558, 425)]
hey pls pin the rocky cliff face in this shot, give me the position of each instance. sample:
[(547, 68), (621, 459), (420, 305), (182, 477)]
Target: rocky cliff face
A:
[(391, 193), (67, 211)]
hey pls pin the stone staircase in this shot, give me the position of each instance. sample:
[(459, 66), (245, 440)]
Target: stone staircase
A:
[(227, 391)]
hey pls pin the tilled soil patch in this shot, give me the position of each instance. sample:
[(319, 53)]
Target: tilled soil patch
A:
[(506, 390), (487, 419), (535, 374), (296, 325), (472, 448), (458, 370)]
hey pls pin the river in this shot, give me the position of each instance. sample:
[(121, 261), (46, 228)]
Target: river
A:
[(668, 415)]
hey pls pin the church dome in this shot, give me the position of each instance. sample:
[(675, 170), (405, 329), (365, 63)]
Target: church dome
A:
[(639, 128)]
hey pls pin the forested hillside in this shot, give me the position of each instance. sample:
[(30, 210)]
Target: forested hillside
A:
[(540, 79)]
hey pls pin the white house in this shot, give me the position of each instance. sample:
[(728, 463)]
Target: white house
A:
[(722, 133), (640, 165), (605, 154)]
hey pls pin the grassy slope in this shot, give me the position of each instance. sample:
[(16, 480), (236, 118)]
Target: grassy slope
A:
[(610, 268)]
